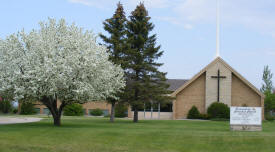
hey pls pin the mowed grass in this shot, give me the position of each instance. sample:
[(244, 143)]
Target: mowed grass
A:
[(86, 134)]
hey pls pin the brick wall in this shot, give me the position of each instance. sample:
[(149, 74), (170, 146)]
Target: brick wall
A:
[(193, 94), (87, 106), (103, 105), (242, 94)]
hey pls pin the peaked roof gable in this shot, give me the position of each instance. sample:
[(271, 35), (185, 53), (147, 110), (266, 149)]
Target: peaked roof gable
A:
[(218, 59)]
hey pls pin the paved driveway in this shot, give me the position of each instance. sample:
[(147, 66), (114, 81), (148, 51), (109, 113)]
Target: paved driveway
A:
[(14, 120)]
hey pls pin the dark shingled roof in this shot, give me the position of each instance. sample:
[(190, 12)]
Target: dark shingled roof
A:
[(175, 83)]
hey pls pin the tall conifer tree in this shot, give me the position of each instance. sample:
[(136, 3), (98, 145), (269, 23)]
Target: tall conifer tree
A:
[(145, 82), (115, 43)]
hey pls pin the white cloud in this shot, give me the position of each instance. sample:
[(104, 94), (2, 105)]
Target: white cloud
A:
[(195, 10), (270, 52), (128, 3), (257, 52), (149, 3), (188, 26), (84, 2), (175, 21), (92, 3), (254, 14), (172, 20)]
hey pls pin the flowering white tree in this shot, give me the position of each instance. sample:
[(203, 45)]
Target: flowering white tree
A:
[(57, 62)]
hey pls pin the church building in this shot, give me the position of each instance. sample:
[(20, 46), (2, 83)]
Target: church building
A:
[(217, 82)]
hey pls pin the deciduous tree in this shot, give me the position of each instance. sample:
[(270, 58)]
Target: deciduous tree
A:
[(58, 62), (267, 89), (267, 85)]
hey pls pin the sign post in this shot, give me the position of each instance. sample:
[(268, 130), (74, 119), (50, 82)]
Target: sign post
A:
[(246, 118)]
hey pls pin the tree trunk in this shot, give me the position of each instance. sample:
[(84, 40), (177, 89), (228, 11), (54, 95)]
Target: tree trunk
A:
[(56, 114), (135, 114), (57, 119), (112, 117), (56, 111)]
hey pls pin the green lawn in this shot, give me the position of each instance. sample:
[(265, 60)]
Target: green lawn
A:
[(86, 134)]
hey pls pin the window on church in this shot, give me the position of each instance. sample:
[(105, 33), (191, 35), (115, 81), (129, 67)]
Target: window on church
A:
[(164, 107)]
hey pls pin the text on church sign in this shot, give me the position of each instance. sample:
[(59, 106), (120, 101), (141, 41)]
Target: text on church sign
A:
[(245, 116)]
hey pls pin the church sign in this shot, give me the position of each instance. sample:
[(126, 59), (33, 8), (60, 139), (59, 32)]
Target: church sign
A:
[(246, 118)]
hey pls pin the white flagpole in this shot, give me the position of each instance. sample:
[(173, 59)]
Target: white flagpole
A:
[(218, 29)]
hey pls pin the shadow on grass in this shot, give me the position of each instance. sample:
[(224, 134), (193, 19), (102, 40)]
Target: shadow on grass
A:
[(47, 123), (80, 123)]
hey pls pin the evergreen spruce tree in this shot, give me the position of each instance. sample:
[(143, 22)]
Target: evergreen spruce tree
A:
[(115, 26), (145, 83)]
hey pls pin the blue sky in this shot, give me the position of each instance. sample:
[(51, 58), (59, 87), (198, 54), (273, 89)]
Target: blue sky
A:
[(185, 29)]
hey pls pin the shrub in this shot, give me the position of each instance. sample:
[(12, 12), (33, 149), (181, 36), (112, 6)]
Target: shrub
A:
[(218, 110), (107, 116), (193, 113), (5, 106), (244, 105), (120, 110), (27, 108), (73, 110), (204, 116), (269, 117), (96, 112), (15, 111)]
